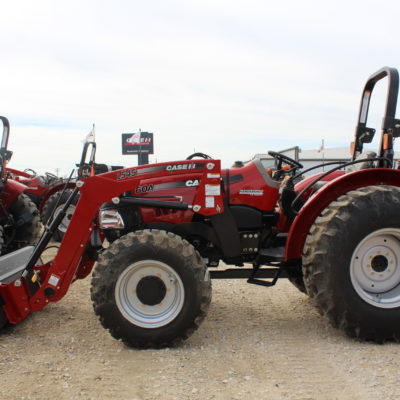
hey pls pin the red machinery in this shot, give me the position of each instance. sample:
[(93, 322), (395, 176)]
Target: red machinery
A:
[(335, 235), (38, 187), (19, 218)]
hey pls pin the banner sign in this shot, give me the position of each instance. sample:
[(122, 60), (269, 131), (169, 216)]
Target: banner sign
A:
[(137, 143)]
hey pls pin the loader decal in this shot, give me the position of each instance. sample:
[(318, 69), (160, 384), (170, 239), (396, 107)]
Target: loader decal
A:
[(177, 184), (193, 182), (128, 173), (144, 189), (252, 192), (181, 167), (171, 167)]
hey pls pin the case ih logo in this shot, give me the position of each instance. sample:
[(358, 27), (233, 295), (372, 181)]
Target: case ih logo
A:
[(137, 143), (180, 167), (136, 139)]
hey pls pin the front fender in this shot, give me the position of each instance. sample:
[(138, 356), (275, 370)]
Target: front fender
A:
[(318, 202)]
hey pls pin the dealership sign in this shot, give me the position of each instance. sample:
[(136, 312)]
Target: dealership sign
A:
[(137, 143)]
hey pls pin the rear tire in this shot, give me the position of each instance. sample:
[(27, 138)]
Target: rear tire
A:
[(28, 226), (297, 281), (3, 319), (151, 288), (49, 206), (351, 263)]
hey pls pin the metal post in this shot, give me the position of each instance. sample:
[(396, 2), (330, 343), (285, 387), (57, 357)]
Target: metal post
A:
[(143, 158)]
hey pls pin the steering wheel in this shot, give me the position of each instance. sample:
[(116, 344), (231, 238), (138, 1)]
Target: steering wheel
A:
[(201, 155), (282, 158), (51, 177), (31, 171)]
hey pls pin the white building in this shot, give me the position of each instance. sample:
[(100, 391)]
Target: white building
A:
[(310, 158)]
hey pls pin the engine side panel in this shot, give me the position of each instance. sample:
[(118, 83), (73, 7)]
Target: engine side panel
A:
[(252, 186)]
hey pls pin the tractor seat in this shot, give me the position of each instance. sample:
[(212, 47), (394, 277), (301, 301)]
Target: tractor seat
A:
[(363, 165)]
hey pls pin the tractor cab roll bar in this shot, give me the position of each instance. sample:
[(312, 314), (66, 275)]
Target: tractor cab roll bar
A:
[(85, 167), (390, 125), (5, 155)]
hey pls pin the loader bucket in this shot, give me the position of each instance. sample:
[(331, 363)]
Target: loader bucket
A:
[(13, 264)]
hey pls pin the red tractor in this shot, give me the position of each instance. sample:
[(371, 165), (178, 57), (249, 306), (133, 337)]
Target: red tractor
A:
[(19, 217), (38, 187), (336, 235), (44, 191)]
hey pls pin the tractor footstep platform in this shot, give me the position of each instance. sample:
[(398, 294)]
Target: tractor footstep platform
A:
[(13, 264), (273, 252)]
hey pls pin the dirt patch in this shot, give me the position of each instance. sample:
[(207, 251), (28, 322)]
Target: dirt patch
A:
[(255, 343)]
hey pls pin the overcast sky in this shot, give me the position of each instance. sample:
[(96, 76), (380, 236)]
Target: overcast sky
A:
[(228, 78)]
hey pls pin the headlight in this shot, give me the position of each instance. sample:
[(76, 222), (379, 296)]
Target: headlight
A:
[(110, 219)]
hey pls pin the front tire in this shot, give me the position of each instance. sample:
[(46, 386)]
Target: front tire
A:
[(151, 289), (351, 263)]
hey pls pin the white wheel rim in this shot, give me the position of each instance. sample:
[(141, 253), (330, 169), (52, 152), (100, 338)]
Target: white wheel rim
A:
[(375, 268), (132, 306), (67, 219)]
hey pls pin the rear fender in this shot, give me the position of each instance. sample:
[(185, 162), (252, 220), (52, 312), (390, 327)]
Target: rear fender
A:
[(17, 172), (55, 189), (11, 191), (318, 202), (286, 199)]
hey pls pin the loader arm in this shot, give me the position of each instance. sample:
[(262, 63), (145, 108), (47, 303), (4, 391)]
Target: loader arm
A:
[(50, 282)]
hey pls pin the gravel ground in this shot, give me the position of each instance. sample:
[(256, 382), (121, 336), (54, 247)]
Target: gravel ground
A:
[(256, 343)]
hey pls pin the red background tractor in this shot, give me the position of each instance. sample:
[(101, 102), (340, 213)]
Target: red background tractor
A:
[(19, 217)]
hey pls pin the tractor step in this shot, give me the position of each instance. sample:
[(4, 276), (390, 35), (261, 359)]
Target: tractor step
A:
[(276, 253), (13, 264), (245, 273)]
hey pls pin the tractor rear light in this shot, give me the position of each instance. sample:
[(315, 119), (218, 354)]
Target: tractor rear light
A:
[(111, 219), (387, 142), (352, 145)]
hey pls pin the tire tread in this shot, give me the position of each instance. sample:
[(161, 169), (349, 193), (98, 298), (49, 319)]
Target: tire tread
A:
[(164, 240), (315, 253)]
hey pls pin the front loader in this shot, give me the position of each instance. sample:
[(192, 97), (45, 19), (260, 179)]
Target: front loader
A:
[(335, 235)]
